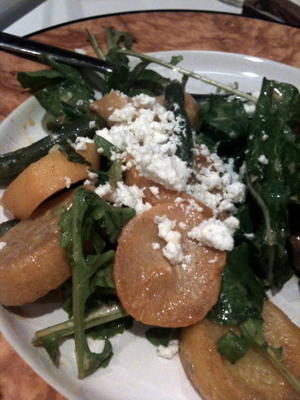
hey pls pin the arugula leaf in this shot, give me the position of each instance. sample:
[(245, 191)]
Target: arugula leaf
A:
[(241, 294), (115, 38), (37, 79), (89, 216), (106, 147), (269, 176), (225, 122), (110, 329), (99, 316), (59, 87), (53, 98), (232, 346), (72, 154)]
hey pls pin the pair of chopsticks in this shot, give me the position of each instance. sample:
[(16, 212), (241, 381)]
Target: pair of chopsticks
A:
[(35, 50)]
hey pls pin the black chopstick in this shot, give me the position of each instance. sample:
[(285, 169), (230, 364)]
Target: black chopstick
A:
[(36, 50)]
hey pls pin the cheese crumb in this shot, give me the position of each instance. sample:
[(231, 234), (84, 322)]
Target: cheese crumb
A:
[(154, 190), (169, 351), (2, 245), (81, 142), (172, 250), (155, 246), (149, 134), (103, 190), (68, 181), (263, 159), (215, 233), (130, 196)]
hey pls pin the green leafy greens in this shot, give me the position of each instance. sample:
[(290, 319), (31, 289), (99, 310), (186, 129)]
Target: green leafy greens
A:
[(92, 221), (265, 143)]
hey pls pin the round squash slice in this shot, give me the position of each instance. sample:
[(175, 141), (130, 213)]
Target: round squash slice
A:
[(44, 178), (151, 288), (252, 376), (32, 261)]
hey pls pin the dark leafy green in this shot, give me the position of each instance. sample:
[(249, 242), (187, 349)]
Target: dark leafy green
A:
[(130, 81), (38, 79), (242, 293), (58, 89), (224, 126), (11, 164), (110, 329), (233, 346), (72, 154), (175, 102), (90, 220), (271, 180)]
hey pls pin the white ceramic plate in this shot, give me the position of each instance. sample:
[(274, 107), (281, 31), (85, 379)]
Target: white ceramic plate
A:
[(135, 372)]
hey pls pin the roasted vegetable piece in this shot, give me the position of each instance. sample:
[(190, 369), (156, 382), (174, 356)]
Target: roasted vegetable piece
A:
[(251, 377), (108, 103), (153, 290), (117, 100), (44, 178), (11, 164), (32, 262)]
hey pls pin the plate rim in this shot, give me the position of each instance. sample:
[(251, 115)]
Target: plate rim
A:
[(6, 327)]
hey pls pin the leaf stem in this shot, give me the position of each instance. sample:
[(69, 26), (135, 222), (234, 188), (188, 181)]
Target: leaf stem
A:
[(98, 317), (273, 358), (95, 45), (189, 74), (269, 231)]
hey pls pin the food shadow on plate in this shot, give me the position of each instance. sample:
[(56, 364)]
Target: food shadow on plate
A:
[(45, 305)]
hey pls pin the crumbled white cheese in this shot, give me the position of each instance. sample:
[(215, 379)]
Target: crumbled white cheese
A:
[(249, 108), (169, 351), (149, 136), (2, 245), (92, 178), (182, 225), (81, 142), (172, 250), (146, 131), (263, 159), (154, 190), (103, 190), (216, 183), (92, 124), (144, 100), (155, 246), (215, 233), (130, 196), (68, 181), (249, 236), (265, 137)]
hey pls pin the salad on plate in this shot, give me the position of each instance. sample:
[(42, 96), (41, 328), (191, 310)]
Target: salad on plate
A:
[(145, 204)]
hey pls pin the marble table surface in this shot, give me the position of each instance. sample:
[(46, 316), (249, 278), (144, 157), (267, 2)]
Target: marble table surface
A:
[(194, 30)]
